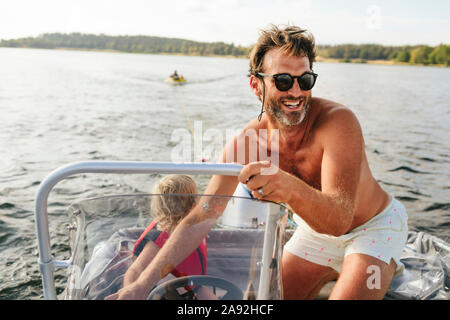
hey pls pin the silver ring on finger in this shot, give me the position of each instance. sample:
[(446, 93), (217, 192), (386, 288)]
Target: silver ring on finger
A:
[(260, 192)]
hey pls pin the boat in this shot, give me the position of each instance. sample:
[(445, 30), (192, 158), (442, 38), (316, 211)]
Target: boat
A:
[(179, 80), (244, 246)]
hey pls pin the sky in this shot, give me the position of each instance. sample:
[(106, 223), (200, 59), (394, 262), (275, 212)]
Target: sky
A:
[(386, 22)]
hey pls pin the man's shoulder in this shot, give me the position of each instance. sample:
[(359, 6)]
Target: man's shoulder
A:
[(254, 124), (331, 112), (326, 106), (335, 119)]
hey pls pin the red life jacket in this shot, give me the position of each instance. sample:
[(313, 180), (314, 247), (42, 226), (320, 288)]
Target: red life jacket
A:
[(194, 264)]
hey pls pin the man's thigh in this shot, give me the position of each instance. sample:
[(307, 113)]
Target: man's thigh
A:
[(303, 279), (363, 277)]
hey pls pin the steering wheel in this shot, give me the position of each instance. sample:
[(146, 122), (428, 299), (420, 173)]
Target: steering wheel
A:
[(187, 288)]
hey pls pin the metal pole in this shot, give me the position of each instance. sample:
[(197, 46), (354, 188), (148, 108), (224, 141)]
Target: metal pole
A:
[(269, 240), (46, 262)]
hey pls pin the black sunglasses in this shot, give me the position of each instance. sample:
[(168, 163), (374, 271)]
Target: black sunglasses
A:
[(284, 81)]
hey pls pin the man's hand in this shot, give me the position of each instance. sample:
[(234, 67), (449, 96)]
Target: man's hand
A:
[(133, 291), (268, 182)]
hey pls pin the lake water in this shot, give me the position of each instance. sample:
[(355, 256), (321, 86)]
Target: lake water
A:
[(58, 107)]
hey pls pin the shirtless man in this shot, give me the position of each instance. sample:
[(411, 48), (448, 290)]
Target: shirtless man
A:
[(349, 228)]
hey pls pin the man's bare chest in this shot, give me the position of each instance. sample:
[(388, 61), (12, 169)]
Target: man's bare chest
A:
[(305, 164)]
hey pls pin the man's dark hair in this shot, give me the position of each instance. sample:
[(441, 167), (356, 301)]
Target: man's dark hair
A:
[(291, 40)]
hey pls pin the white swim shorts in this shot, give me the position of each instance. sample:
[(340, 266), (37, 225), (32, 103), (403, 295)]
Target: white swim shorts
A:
[(382, 237)]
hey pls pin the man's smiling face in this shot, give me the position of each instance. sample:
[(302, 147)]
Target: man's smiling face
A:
[(287, 107)]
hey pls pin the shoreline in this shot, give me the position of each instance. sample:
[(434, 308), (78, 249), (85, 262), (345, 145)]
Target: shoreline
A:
[(132, 52), (318, 58), (377, 62)]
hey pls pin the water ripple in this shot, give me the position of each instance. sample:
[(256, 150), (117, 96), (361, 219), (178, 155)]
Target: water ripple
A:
[(408, 169), (438, 206)]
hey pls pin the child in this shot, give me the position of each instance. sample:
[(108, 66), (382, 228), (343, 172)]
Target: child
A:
[(174, 196)]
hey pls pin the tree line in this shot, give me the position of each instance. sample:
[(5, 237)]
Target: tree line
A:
[(132, 44), (420, 54)]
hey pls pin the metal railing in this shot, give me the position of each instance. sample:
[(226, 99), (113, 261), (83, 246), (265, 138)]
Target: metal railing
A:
[(48, 264)]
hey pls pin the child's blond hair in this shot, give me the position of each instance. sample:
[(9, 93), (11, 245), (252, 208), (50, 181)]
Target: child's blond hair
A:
[(170, 209)]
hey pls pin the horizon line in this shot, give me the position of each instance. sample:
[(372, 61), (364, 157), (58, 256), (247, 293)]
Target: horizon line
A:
[(219, 41)]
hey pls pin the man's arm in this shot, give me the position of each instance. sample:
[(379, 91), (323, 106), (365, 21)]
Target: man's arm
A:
[(331, 209), (134, 271), (190, 232)]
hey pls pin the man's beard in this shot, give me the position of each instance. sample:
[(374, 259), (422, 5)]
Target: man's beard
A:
[(294, 118)]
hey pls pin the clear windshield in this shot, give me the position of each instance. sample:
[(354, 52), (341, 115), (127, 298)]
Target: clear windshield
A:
[(243, 250)]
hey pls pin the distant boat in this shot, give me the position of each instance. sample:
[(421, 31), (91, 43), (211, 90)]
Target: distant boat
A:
[(175, 80)]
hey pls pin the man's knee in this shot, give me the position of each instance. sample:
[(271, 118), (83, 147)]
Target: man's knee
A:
[(363, 277)]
